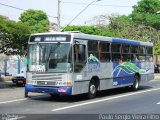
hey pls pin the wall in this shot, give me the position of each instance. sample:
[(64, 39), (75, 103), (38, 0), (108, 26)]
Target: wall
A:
[(12, 64)]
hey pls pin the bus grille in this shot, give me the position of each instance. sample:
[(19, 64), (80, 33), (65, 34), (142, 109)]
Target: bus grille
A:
[(47, 77), (46, 83)]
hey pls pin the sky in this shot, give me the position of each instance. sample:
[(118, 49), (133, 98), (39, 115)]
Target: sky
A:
[(69, 9)]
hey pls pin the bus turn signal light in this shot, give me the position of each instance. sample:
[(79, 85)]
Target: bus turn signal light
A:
[(69, 83)]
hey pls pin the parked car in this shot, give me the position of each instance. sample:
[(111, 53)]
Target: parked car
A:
[(19, 79), (157, 68)]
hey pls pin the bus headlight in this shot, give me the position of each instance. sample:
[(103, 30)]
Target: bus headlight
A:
[(69, 83)]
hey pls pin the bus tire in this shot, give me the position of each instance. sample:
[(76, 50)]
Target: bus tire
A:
[(92, 90), (26, 94), (54, 95), (135, 85)]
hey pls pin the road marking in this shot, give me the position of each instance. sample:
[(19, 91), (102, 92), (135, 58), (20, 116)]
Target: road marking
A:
[(12, 117), (154, 80), (158, 103), (106, 99), (18, 118), (5, 102)]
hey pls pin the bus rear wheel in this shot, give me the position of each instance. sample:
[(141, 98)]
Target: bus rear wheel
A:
[(135, 85), (92, 90), (26, 94), (54, 95)]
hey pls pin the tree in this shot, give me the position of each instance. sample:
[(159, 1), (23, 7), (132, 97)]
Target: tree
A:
[(13, 37), (146, 13), (124, 27), (37, 20), (121, 26)]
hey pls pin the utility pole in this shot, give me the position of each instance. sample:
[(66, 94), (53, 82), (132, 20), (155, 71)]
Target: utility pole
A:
[(58, 16)]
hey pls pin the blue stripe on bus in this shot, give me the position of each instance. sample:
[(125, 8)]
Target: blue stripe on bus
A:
[(125, 41)]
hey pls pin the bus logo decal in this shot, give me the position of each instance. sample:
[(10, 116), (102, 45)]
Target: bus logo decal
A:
[(129, 68), (93, 64), (38, 68)]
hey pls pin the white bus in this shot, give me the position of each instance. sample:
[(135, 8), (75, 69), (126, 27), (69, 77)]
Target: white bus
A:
[(69, 63)]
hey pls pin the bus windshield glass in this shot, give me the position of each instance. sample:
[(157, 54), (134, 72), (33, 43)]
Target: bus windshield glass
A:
[(53, 57)]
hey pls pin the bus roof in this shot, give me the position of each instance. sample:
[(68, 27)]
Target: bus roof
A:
[(79, 35), (132, 42)]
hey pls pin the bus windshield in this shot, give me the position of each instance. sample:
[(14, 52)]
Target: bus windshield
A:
[(53, 57)]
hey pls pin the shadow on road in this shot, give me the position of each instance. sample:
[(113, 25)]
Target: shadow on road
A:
[(83, 97)]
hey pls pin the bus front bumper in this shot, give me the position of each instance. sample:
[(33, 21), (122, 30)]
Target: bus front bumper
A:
[(61, 90)]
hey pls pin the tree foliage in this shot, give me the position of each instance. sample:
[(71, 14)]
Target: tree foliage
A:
[(37, 20), (143, 24), (145, 12), (13, 37), (122, 27), (89, 30), (125, 27)]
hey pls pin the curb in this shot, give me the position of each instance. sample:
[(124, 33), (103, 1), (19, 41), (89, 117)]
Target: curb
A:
[(6, 85)]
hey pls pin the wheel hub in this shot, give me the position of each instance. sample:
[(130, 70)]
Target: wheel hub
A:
[(92, 89), (137, 84)]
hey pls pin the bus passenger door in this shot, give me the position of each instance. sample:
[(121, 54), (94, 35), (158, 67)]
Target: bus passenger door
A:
[(79, 57)]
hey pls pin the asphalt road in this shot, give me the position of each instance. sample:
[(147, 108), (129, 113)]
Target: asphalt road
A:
[(114, 101)]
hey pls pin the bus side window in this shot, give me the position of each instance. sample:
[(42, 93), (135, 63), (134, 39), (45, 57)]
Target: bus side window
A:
[(115, 49), (134, 57), (104, 51), (116, 57), (125, 57), (149, 54), (93, 48)]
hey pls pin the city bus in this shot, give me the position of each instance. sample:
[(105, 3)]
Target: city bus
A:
[(71, 63)]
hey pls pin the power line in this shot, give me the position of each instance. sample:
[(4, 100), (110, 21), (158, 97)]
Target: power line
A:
[(81, 12), (79, 3), (12, 7), (20, 9)]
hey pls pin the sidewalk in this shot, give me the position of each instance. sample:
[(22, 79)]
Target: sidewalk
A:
[(157, 76), (6, 84)]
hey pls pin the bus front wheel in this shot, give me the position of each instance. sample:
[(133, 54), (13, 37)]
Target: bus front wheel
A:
[(92, 90), (54, 95), (26, 94)]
